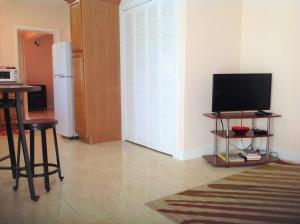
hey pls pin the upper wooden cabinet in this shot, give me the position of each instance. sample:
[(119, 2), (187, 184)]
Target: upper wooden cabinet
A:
[(96, 68), (76, 25)]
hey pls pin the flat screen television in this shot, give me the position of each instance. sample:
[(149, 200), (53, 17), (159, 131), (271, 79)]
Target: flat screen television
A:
[(241, 92)]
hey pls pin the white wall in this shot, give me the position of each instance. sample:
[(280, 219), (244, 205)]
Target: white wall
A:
[(240, 36), (33, 14), (271, 43), (213, 31)]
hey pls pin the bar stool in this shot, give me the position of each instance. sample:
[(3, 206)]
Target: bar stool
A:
[(32, 126)]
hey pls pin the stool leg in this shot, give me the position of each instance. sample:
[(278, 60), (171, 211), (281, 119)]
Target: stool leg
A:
[(10, 137), (33, 195), (45, 160), (16, 187), (32, 151), (57, 155)]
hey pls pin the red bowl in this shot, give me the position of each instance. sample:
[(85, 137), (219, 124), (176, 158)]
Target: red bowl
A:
[(240, 130)]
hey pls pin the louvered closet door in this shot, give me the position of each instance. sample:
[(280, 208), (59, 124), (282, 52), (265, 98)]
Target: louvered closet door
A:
[(140, 76), (153, 60), (136, 89), (150, 67), (167, 74), (129, 85)]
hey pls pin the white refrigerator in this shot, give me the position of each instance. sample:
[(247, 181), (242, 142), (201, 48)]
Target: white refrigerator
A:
[(63, 89)]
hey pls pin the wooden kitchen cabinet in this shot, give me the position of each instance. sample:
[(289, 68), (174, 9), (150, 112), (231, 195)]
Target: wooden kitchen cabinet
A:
[(79, 94), (80, 116), (96, 69), (78, 72), (76, 25)]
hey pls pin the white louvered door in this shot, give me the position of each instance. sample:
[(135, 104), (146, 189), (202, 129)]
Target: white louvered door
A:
[(129, 80), (154, 131), (150, 67)]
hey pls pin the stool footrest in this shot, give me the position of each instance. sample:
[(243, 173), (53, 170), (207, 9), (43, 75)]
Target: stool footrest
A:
[(5, 168), (4, 158), (40, 174)]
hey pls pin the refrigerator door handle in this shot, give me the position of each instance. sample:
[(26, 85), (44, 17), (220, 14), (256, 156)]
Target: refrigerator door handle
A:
[(63, 76)]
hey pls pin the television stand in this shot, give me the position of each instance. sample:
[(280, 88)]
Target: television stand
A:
[(228, 134)]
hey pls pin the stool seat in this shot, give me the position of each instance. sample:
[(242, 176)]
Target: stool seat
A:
[(39, 124)]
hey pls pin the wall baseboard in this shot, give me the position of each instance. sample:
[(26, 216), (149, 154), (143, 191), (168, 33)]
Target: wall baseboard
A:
[(288, 155), (183, 155)]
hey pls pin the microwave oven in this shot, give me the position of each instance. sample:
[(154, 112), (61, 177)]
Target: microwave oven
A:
[(9, 75)]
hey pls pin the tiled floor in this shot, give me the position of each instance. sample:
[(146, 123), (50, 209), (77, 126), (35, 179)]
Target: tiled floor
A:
[(104, 184)]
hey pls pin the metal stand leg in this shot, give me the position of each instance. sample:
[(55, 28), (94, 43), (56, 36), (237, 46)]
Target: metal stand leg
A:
[(216, 139), (227, 151), (268, 139), (227, 143), (9, 134), (45, 160), (32, 151), (33, 196), (253, 139), (57, 155)]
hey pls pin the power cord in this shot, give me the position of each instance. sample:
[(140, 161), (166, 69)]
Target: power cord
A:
[(234, 146), (222, 124), (240, 148), (274, 154), (257, 149)]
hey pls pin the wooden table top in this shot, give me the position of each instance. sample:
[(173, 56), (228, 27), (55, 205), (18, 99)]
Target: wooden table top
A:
[(18, 88)]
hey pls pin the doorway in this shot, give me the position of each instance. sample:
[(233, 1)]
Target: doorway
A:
[(35, 57)]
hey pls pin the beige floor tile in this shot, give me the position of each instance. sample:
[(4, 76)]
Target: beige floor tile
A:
[(105, 183)]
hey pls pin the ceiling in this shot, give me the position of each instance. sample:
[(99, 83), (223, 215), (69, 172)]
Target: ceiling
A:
[(55, 3)]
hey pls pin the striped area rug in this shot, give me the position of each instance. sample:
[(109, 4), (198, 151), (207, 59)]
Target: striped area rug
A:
[(266, 194)]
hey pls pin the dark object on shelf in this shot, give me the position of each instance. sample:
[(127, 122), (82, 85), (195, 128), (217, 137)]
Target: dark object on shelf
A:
[(240, 130), (243, 156), (263, 113), (259, 132), (231, 134), (39, 125), (37, 100)]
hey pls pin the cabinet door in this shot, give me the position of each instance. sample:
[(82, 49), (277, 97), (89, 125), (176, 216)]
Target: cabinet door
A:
[(79, 80), (79, 95), (76, 26), (80, 116)]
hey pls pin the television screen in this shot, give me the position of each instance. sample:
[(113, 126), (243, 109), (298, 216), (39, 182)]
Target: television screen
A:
[(236, 92)]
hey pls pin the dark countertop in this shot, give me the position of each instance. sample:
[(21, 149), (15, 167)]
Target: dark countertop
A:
[(18, 88)]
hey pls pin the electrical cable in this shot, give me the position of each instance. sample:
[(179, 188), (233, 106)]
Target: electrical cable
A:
[(243, 144), (257, 149), (222, 124), (276, 154), (234, 146)]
